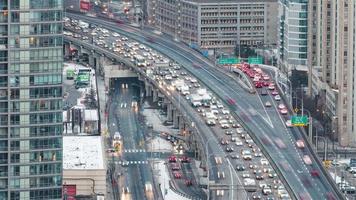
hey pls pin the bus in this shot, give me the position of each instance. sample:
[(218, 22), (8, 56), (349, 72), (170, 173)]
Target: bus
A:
[(140, 61), (70, 74)]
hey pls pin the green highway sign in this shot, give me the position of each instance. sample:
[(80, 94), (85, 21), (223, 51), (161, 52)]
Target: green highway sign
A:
[(255, 60), (229, 61), (299, 120)]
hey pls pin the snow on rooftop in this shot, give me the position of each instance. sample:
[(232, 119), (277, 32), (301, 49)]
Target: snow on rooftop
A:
[(91, 115), (82, 152)]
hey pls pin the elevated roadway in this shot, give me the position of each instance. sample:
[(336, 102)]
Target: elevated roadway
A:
[(265, 125)]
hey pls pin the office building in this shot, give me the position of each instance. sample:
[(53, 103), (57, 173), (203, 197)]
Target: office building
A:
[(217, 26), (31, 99), (333, 55), (293, 33)]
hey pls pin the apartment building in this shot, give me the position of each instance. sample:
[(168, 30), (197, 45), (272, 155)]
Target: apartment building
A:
[(293, 23), (332, 33), (217, 26), (31, 99)]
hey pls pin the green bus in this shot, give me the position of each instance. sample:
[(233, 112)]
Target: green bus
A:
[(70, 74)]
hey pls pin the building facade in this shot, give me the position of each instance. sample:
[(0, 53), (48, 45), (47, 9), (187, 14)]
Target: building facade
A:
[(217, 26), (31, 99), (293, 25), (334, 37)]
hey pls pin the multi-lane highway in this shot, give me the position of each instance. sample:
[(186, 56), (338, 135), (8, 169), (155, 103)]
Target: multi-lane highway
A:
[(124, 119), (263, 123)]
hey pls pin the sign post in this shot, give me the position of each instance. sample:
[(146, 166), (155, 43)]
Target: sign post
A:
[(228, 61)]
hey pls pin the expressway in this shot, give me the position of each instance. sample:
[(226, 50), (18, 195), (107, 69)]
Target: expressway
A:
[(124, 119), (261, 122)]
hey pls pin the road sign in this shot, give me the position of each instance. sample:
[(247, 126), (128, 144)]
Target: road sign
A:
[(255, 60), (228, 61), (299, 120)]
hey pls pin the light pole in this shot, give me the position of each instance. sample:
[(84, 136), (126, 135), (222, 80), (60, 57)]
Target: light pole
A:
[(325, 145), (310, 128), (65, 10)]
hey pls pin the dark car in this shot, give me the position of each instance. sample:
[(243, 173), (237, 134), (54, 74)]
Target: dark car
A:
[(240, 168)]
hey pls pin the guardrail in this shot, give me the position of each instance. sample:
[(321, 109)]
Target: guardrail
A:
[(140, 71), (245, 79), (309, 146), (217, 94)]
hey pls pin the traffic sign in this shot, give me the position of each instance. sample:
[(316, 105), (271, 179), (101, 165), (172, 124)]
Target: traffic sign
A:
[(228, 61), (299, 120), (255, 60)]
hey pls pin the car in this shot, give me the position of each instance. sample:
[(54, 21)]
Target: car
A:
[(280, 143), (283, 111), (268, 104), (240, 168), (256, 196), (266, 190), (265, 77), (224, 126), (218, 160), (277, 97), (258, 84), (228, 132), (259, 176), (289, 123), (258, 154), (274, 92), (264, 161), (281, 106), (125, 190), (229, 149), (224, 142), (235, 125), (234, 156), (257, 171), (300, 144), (314, 173), (177, 175), (264, 92), (185, 159), (175, 167), (307, 160), (172, 159), (272, 175), (271, 87), (245, 175), (221, 175), (188, 182), (251, 166)]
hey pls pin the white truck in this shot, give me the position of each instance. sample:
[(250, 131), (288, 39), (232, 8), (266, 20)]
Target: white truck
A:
[(250, 184)]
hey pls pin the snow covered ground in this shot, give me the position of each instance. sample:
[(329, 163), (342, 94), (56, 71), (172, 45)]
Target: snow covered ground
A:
[(159, 144), (162, 176)]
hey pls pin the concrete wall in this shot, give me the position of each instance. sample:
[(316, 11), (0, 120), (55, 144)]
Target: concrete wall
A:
[(81, 178)]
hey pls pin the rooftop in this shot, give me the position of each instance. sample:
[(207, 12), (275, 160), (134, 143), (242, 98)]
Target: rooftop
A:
[(82, 152)]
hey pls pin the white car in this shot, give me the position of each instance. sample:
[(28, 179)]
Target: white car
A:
[(264, 161), (277, 98), (268, 104), (284, 111), (289, 123), (225, 112), (281, 106)]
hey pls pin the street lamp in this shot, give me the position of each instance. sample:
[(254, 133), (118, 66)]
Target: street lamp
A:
[(325, 145)]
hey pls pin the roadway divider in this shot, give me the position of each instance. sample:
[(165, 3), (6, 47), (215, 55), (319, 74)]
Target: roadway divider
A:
[(243, 80), (180, 193), (309, 146), (174, 99)]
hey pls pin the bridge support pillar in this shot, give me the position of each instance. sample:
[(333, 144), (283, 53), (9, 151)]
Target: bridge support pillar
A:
[(175, 119), (67, 49), (170, 112), (148, 90), (155, 96), (91, 60)]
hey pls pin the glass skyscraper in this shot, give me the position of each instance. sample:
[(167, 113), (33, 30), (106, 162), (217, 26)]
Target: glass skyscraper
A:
[(31, 99)]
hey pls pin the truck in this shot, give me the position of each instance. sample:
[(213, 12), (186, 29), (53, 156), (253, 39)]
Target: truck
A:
[(70, 74), (250, 184)]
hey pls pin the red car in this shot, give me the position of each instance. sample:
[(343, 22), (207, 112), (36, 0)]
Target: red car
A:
[(172, 159), (185, 159), (314, 173), (177, 175), (175, 167), (274, 92), (231, 101), (258, 84), (265, 83)]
